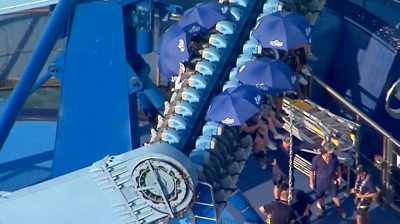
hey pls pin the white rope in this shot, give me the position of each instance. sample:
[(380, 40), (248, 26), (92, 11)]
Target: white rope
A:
[(290, 196)]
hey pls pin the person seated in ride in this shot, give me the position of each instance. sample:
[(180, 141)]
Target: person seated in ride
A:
[(293, 61), (257, 129), (365, 191), (281, 159), (269, 116), (279, 211), (185, 70)]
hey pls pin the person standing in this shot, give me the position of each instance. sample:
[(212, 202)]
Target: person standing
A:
[(364, 190), (280, 163), (325, 178), (279, 212)]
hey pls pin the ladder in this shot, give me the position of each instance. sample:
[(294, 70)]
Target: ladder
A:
[(313, 123)]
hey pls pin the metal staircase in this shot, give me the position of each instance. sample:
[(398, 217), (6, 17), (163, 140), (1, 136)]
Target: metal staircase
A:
[(312, 124)]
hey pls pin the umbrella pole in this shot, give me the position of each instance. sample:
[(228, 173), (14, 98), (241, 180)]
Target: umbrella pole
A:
[(291, 154)]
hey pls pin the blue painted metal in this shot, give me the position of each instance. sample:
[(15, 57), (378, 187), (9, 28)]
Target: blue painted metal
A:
[(95, 119), (240, 202), (144, 26), (117, 189), (9, 111)]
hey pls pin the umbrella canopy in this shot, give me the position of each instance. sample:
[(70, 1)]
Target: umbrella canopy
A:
[(282, 30), (173, 49), (235, 105), (271, 75), (202, 17)]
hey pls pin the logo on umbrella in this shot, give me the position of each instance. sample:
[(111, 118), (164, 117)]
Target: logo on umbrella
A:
[(228, 120), (293, 79), (224, 9), (242, 68), (308, 31), (257, 99), (262, 86), (194, 29), (276, 43), (181, 45)]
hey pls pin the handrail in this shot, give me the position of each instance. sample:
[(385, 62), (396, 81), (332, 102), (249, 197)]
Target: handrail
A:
[(355, 110)]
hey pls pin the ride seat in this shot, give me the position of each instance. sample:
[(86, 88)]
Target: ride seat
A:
[(225, 27), (218, 40), (205, 67), (230, 84), (212, 54)]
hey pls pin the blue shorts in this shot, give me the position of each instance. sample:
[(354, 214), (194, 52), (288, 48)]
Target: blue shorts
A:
[(328, 188)]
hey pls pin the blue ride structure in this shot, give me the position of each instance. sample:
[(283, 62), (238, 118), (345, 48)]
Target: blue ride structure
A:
[(101, 173)]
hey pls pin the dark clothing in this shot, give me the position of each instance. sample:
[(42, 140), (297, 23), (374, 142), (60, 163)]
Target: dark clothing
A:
[(323, 170), (364, 186), (279, 212), (327, 187), (302, 55), (325, 174), (300, 200)]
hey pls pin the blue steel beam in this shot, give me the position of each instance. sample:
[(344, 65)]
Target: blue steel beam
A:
[(9, 112)]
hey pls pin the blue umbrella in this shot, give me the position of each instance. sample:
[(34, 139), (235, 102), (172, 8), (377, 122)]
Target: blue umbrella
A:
[(202, 17), (282, 30), (271, 75), (173, 49), (235, 105)]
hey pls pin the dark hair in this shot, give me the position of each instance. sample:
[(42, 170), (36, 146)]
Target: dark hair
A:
[(286, 138), (328, 147), (284, 187), (360, 169)]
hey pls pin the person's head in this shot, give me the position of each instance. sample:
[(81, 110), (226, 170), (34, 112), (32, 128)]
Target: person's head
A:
[(327, 149), (284, 189), (361, 171), (286, 142)]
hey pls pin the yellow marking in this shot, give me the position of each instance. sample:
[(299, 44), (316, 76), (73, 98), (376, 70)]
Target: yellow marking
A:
[(301, 104)]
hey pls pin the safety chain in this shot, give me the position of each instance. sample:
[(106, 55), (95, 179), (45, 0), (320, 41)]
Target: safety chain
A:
[(290, 196)]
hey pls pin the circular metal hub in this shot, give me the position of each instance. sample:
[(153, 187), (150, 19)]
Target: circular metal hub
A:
[(161, 184)]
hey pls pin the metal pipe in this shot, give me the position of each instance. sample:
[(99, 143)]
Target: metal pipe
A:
[(355, 110), (21, 92)]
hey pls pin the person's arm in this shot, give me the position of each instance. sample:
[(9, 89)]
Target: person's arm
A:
[(338, 171), (311, 174), (368, 195), (265, 208)]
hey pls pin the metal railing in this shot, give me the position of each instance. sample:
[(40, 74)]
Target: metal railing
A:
[(390, 147)]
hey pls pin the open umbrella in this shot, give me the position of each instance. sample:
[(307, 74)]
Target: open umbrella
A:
[(202, 17), (235, 105), (271, 75), (173, 49), (282, 30)]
